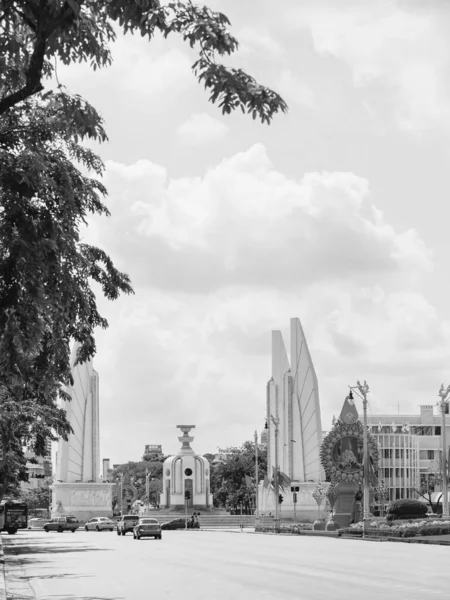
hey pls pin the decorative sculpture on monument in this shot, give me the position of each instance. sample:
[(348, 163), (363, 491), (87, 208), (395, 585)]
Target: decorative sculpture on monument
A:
[(319, 494), (332, 495), (342, 457)]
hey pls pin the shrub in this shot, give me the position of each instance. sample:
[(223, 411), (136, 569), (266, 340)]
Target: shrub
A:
[(406, 509)]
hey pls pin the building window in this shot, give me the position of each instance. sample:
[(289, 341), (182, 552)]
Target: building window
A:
[(437, 430), (387, 453), (430, 454), (387, 473), (398, 472), (398, 453)]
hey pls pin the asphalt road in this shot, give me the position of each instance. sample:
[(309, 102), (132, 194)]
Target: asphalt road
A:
[(197, 565)]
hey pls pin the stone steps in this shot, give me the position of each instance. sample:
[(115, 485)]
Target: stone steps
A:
[(209, 519)]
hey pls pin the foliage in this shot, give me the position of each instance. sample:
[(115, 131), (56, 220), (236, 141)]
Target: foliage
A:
[(407, 508), (39, 497), (34, 34), (413, 528), (233, 478), (135, 473), (428, 484), (47, 273)]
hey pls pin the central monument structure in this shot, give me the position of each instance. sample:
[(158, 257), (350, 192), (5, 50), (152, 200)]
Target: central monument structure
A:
[(294, 430), (78, 489), (186, 474)]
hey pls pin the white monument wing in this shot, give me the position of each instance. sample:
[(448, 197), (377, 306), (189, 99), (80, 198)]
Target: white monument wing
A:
[(306, 408)]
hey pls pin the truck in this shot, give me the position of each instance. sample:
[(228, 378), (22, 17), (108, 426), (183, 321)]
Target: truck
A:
[(13, 516)]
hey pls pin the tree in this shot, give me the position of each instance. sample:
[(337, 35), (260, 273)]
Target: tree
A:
[(429, 482), (233, 478), (33, 34), (39, 497), (135, 473), (47, 273)]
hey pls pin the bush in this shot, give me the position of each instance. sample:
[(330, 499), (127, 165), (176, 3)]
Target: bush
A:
[(406, 509)]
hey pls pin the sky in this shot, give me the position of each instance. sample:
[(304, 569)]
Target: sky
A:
[(337, 213)]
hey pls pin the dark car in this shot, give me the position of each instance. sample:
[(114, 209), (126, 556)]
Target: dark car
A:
[(147, 528), (126, 524), (61, 524), (174, 524)]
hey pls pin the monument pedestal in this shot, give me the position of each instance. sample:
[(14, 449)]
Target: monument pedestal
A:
[(82, 500), (345, 504)]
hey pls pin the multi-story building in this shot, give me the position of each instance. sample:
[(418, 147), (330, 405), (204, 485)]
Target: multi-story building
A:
[(40, 471), (153, 449), (410, 449)]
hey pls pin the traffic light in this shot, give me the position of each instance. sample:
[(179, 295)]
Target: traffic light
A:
[(280, 499), (187, 495)]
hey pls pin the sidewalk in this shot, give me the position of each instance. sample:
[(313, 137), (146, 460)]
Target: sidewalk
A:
[(2, 572)]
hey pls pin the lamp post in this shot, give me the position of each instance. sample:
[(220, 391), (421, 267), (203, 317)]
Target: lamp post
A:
[(256, 477), (443, 393), (121, 494), (364, 390), (276, 422), (147, 488)]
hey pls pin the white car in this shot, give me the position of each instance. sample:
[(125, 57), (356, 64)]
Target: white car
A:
[(36, 523), (100, 524)]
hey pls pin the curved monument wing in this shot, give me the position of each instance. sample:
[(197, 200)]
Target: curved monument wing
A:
[(305, 391), (78, 458)]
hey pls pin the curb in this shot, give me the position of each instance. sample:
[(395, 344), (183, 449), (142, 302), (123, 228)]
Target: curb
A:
[(2, 572)]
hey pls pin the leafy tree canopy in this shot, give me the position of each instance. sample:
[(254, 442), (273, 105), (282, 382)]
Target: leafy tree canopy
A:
[(46, 271), (33, 33), (233, 477)]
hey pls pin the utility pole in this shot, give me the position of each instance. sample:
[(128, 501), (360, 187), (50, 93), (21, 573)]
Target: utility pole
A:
[(364, 390), (443, 393), (276, 422), (256, 477), (147, 488), (121, 494)]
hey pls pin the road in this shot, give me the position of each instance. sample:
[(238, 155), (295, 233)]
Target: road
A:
[(203, 565)]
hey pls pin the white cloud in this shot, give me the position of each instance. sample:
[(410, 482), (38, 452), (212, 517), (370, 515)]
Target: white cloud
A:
[(201, 129), (386, 44), (219, 261), (246, 223), (256, 41), (292, 89)]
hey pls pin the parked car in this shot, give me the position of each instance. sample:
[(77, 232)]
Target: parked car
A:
[(147, 528), (100, 524), (174, 524), (37, 523), (60, 524), (126, 524)]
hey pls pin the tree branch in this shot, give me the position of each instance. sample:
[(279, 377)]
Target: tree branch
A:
[(33, 77)]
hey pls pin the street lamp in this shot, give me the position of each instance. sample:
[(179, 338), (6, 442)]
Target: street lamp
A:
[(256, 477), (276, 422), (121, 493), (364, 390), (443, 393)]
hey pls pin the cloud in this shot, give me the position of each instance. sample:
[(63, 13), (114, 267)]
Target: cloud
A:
[(245, 223), (293, 89), (388, 45), (256, 41), (220, 260), (201, 129)]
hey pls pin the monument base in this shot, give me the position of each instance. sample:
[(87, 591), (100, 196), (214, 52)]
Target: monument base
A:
[(344, 507), (305, 510), (82, 500)]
